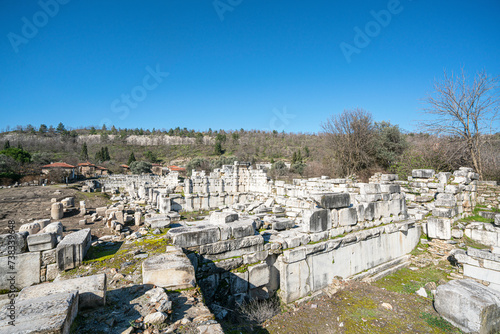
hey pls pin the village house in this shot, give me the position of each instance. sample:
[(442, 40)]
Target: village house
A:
[(87, 169), (125, 169), (100, 171), (59, 170), (158, 169)]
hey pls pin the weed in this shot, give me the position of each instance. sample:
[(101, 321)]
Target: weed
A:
[(257, 311), (474, 244), (438, 322), (409, 281)]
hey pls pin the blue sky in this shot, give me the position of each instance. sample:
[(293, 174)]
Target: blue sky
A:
[(233, 64)]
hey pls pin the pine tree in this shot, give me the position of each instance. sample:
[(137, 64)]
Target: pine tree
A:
[(98, 155), (84, 155), (60, 128), (131, 158), (218, 148), (103, 154), (106, 154), (6, 145), (42, 129)]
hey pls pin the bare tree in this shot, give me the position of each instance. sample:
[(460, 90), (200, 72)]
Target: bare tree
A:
[(464, 110), (349, 138)]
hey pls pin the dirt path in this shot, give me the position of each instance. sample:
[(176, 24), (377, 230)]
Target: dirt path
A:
[(26, 204)]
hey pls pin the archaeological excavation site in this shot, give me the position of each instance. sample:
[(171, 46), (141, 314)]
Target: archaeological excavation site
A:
[(241, 167), (236, 251)]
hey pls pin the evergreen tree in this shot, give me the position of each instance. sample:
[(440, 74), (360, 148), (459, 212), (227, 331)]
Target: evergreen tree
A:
[(19, 146), (106, 154), (92, 131), (299, 156), (131, 158), (84, 155), (98, 155), (6, 145), (218, 148), (60, 128), (42, 129), (306, 151)]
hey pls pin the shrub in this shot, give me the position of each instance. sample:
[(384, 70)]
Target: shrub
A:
[(259, 311), (140, 167)]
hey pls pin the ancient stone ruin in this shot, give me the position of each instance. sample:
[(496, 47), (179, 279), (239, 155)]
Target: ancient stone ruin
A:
[(259, 237)]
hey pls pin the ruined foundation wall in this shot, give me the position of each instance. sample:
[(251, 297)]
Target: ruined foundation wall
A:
[(310, 268)]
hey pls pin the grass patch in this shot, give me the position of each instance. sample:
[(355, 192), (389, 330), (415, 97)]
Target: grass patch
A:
[(476, 218), (87, 196), (420, 248), (409, 281), (113, 256), (474, 244), (194, 215), (438, 322)]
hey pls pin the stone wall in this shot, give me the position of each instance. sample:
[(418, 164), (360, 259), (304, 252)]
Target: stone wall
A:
[(488, 194), (482, 265), (328, 228), (439, 200), (35, 256)]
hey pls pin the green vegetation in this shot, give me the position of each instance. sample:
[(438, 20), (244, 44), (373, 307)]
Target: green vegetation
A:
[(438, 322), (409, 281), (474, 244), (140, 167), (115, 255)]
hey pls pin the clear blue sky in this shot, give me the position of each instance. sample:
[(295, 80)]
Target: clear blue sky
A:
[(254, 64)]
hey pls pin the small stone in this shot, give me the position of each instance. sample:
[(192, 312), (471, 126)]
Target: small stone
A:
[(430, 286), (110, 322), (387, 306), (155, 318), (157, 231), (421, 292)]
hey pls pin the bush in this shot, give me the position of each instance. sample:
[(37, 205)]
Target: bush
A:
[(140, 167), (279, 169), (258, 311), (298, 168), (17, 154)]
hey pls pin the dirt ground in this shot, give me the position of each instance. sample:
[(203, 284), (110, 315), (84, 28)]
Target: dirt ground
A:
[(26, 204), (358, 308)]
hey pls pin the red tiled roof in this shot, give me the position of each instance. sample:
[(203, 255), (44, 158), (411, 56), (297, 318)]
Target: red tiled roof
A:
[(86, 164), (177, 168), (101, 168), (156, 165), (124, 166), (58, 165)]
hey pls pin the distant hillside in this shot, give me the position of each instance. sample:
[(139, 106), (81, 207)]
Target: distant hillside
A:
[(384, 149)]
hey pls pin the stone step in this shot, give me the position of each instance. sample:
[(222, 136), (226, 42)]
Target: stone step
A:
[(367, 275), (388, 272)]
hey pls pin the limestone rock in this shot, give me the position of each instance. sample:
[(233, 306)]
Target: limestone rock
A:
[(48, 314), (13, 243), (41, 242), (91, 290), (56, 211), (155, 318), (171, 270), (469, 305), (72, 249)]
